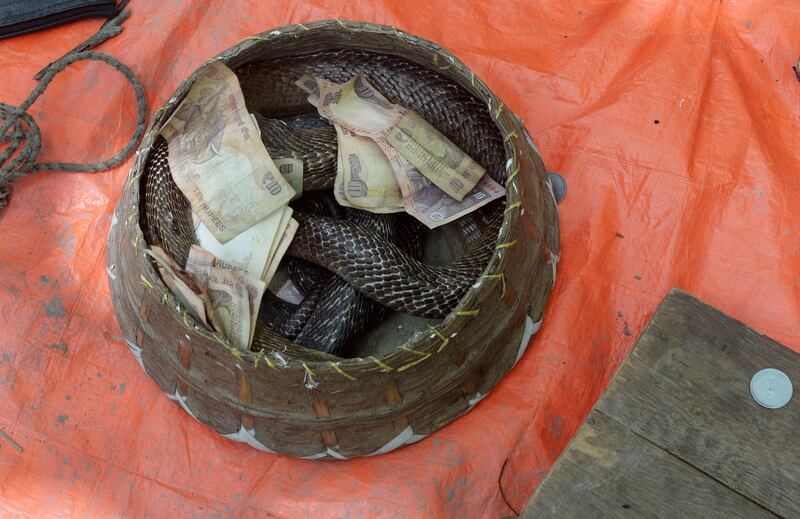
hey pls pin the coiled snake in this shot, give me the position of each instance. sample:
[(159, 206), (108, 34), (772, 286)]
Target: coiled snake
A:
[(362, 249)]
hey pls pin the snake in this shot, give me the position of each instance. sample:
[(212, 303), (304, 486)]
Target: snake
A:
[(333, 314), (362, 261)]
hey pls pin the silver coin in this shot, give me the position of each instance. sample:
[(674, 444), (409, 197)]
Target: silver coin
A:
[(771, 388)]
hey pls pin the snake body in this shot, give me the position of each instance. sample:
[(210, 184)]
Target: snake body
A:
[(310, 139), (370, 271), (269, 88), (343, 313), (365, 259), (333, 314), (384, 272)]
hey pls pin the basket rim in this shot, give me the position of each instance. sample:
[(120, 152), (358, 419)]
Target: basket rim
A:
[(516, 142)]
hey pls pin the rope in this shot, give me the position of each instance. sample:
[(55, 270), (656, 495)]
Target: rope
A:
[(20, 137)]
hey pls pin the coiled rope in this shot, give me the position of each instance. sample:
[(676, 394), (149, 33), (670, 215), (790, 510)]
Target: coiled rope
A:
[(20, 137)]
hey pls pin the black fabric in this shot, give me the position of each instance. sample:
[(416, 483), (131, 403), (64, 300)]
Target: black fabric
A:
[(19, 17)]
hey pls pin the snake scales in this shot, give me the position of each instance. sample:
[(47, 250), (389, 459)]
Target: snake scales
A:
[(364, 268)]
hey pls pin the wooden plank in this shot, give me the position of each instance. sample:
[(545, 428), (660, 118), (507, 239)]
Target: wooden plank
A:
[(611, 472), (685, 388)]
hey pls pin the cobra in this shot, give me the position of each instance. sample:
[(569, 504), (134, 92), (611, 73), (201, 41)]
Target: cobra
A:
[(366, 264)]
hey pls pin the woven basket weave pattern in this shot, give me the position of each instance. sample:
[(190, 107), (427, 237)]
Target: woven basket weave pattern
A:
[(324, 406)]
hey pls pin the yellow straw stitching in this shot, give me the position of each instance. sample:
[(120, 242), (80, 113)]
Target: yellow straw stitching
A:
[(308, 370), (146, 282), (387, 368), (513, 175), (499, 276), (258, 358), (445, 340), (423, 357), (341, 371)]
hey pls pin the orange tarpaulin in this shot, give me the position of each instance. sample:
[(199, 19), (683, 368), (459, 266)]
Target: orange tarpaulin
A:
[(674, 123)]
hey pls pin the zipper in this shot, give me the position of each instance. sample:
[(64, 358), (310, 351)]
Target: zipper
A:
[(51, 20)]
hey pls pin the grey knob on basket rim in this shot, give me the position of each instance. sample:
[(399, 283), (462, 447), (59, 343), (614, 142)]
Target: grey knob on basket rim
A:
[(559, 186)]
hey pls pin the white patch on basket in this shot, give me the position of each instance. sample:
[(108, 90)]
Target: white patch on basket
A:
[(554, 259), (176, 396), (136, 350), (247, 436), (328, 452), (333, 454), (528, 138), (401, 439), (110, 270), (113, 222), (530, 329), (475, 399), (405, 437), (315, 456), (309, 382), (508, 165), (416, 438), (552, 193), (279, 359)]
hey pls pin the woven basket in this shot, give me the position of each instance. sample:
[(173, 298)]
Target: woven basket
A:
[(318, 406)]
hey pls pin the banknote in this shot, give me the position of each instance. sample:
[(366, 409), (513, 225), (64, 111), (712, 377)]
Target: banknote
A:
[(199, 264), (218, 160), (230, 306), (283, 246), (365, 111), (255, 292), (290, 168), (249, 250), (292, 171), (308, 84), (203, 265), (421, 197), (365, 178), (286, 217), (338, 184), (190, 294), (432, 206), (435, 156), (284, 288), (358, 106)]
